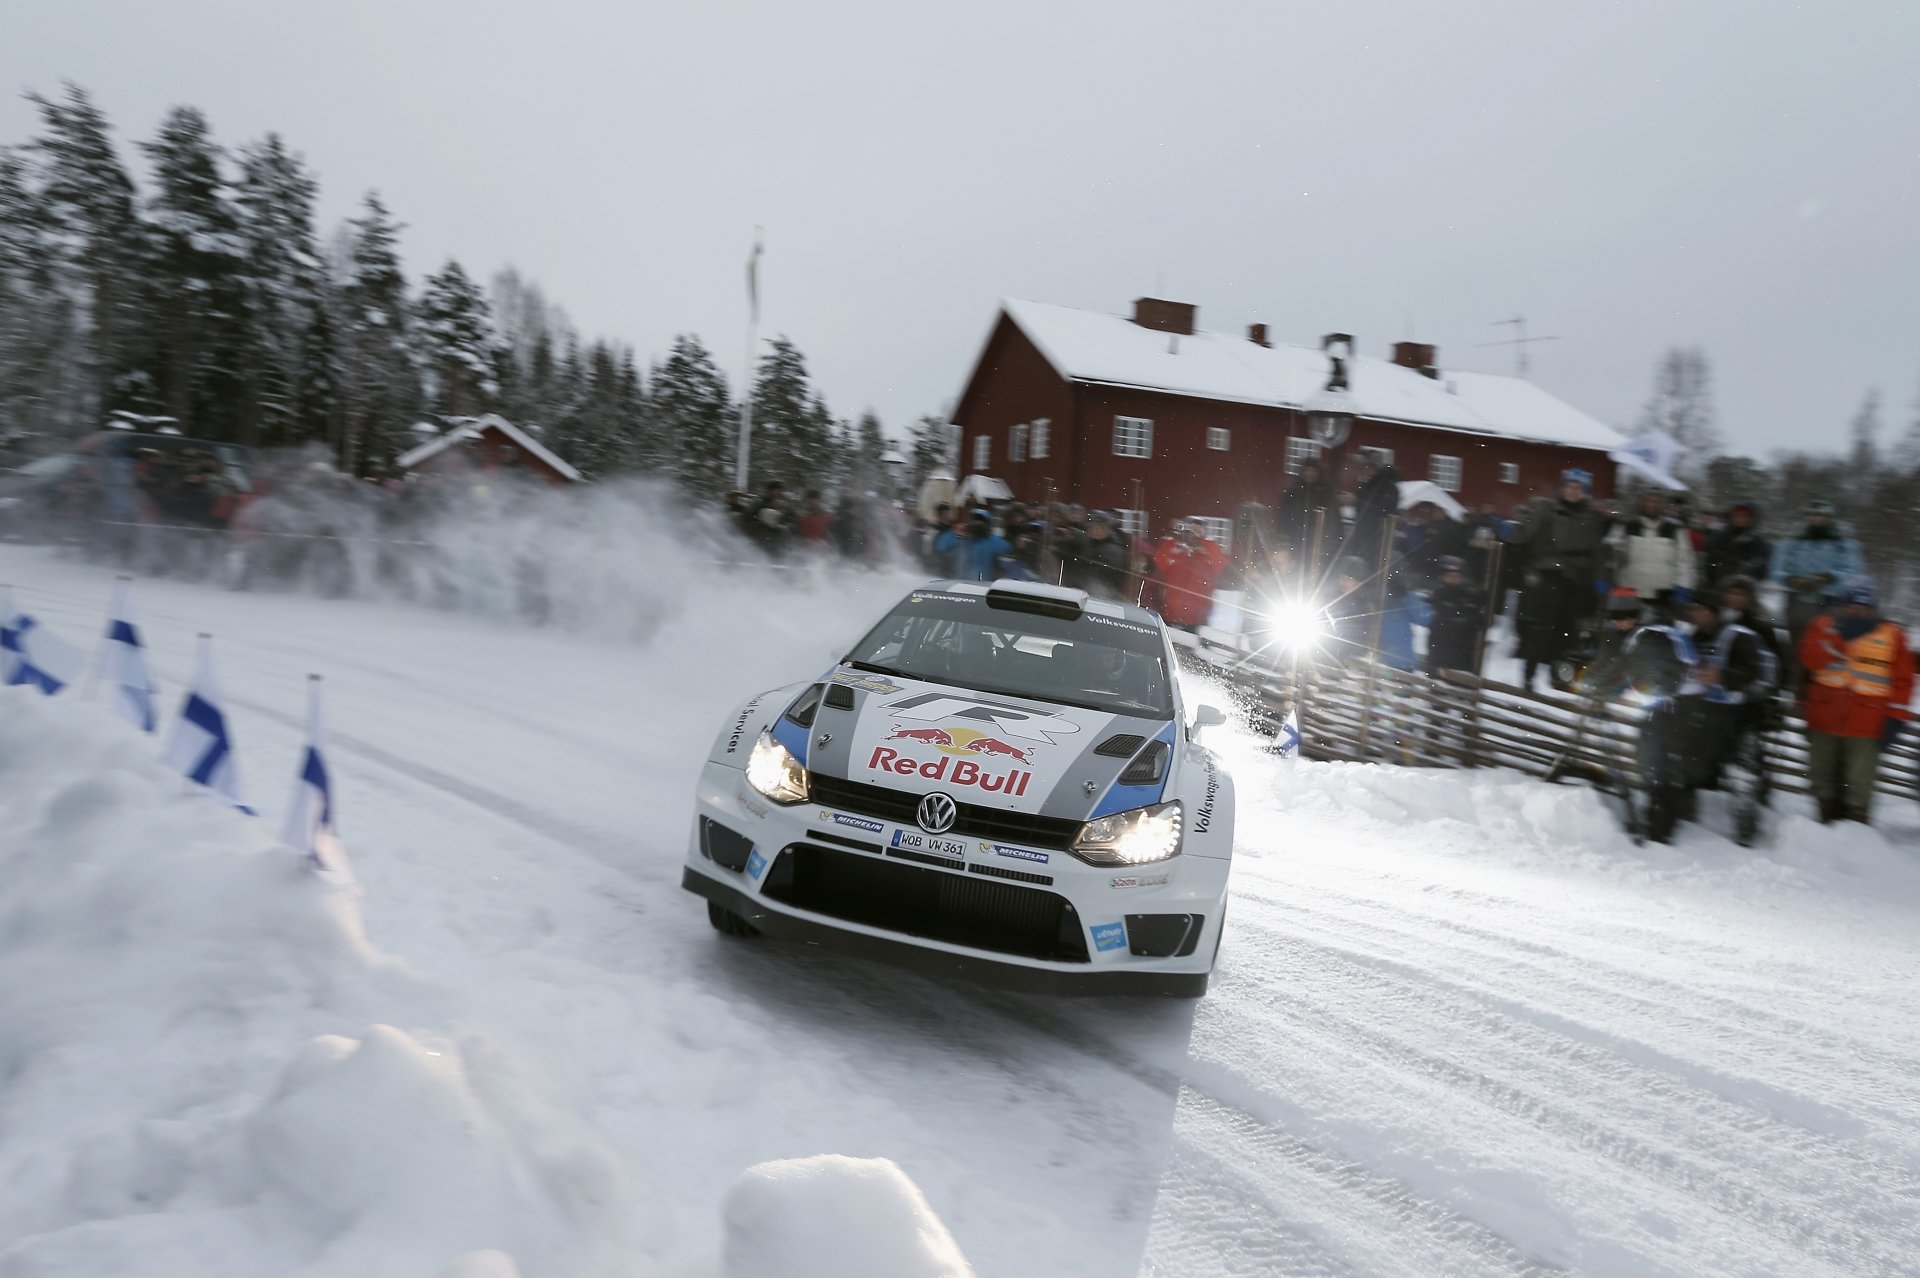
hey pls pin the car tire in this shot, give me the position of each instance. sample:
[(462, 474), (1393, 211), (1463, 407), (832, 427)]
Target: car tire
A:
[(727, 923)]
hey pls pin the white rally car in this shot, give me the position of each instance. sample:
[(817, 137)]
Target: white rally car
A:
[(998, 781)]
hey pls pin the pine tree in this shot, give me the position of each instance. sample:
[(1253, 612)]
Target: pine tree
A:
[(87, 201), (1681, 405), (36, 320), (457, 345), (198, 282), (1865, 434), (791, 428), (286, 304), (930, 449), (689, 413), (381, 395)]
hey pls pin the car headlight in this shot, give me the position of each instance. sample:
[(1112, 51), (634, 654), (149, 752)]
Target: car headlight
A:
[(1131, 838), (774, 772), (1297, 626)]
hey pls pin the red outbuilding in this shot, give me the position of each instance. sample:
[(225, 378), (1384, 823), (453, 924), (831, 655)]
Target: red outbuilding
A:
[(489, 445), (1157, 419)]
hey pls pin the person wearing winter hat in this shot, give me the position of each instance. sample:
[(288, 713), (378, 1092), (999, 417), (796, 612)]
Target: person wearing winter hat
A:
[(1736, 548), (1817, 567), (1653, 554), (1459, 619), (1562, 545), (1860, 678)]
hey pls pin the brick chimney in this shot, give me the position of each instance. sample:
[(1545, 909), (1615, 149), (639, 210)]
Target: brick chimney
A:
[(1421, 357), (1164, 317), (1257, 334)]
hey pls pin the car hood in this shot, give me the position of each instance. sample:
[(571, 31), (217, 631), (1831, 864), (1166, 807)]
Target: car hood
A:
[(985, 749)]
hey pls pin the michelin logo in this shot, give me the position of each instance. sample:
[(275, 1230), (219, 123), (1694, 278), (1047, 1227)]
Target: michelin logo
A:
[(1018, 854)]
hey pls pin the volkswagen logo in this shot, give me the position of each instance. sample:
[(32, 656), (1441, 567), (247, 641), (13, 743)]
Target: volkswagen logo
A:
[(937, 813)]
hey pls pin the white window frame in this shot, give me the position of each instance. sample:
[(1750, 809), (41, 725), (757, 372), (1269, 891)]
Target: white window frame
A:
[(1216, 529), (982, 452), (1301, 450), (1133, 437), (1132, 522), (1509, 472), (1218, 438), (1040, 446), (1017, 444), (1438, 468)]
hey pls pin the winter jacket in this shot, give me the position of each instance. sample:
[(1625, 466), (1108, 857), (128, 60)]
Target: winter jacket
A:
[(1862, 675), (1746, 665), (1566, 539), (1376, 506), (1106, 568), (1737, 552), (982, 555), (1818, 552), (1310, 507), (1402, 613), (1459, 616), (1187, 578), (1653, 556)]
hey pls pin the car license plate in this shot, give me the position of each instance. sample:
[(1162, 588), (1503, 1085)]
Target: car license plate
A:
[(929, 843)]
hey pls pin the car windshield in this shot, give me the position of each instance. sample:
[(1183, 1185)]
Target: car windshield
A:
[(1100, 663)]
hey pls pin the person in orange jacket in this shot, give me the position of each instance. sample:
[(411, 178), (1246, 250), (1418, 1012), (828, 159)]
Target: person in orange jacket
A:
[(1187, 566), (1860, 678)]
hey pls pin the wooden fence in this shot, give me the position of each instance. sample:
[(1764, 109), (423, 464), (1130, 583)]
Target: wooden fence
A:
[(1374, 713)]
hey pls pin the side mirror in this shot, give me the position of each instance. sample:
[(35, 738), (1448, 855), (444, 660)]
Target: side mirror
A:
[(1206, 717)]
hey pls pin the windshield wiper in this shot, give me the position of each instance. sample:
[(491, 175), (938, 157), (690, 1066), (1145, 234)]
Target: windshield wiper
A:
[(874, 667)]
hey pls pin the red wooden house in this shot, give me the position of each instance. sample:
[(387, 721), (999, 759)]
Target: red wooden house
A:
[(1157, 419), (489, 445)]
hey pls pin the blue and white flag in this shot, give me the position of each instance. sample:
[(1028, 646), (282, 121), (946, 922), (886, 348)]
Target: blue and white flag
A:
[(33, 656), (1286, 742), (201, 747), (309, 827), (1653, 457), (123, 659)]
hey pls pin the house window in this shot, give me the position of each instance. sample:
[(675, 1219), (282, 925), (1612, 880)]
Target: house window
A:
[(1042, 439), (1445, 471), (1301, 450), (1133, 522), (1133, 437), (1017, 445), (1217, 438), (1509, 472), (982, 451), (1220, 530)]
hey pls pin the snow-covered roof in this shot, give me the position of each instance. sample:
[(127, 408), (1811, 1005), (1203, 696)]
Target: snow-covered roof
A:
[(473, 430), (1089, 346)]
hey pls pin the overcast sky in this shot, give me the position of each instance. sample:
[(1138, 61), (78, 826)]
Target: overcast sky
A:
[(1742, 174)]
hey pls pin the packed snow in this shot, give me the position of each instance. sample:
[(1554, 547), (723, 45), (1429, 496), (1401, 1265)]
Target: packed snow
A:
[(1461, 1024)]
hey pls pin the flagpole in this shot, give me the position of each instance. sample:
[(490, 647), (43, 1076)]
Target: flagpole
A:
[(746, 369)]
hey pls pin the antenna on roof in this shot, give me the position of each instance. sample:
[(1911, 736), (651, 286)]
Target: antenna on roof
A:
[(1519, 341)]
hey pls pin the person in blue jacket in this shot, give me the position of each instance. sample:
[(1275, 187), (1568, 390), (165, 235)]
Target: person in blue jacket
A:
[(976, 553), (1817, 568)]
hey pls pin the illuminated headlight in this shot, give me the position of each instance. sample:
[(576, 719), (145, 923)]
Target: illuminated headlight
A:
[(1131, 838), (1297, 626), (774, 772)]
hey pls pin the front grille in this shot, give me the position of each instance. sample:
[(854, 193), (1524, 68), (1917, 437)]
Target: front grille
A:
[(955, 908), (1018, 876), (973, 822)]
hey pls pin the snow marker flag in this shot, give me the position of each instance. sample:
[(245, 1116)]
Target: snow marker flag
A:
[(753, 278), (201, 748), (309, 827), (33, 656), (1652, 455), (1286, 742), (124, 660), (6, 646)]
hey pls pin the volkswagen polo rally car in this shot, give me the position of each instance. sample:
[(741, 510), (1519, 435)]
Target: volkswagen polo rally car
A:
[(998, 781)]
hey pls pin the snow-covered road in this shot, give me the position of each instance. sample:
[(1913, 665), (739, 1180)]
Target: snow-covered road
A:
[(1461, 1025)]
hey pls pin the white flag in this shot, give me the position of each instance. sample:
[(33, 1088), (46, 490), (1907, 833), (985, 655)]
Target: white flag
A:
[(33, 656), (309, 828), (201, 747), (753, 283), (124, 660), (1286, 742), (1652, 455)]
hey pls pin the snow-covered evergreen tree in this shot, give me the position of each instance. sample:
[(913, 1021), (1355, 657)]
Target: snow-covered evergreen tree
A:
[(690, 414), (37, 334), (275, 196), (457, 345), (381, 391), (197, 282), (930, 449), (792, 439)]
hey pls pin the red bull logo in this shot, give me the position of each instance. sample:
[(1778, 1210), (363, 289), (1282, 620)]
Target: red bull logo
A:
[(995, 746), (952, 770), (926, 736)]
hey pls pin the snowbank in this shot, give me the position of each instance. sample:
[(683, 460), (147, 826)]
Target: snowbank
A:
[(204, 1074), (835, 1217)]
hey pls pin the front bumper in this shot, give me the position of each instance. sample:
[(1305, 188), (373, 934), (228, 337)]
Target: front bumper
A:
[(1015, 917)]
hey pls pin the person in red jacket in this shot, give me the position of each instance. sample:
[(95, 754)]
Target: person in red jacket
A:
[(1186, 567), (1860, 678)]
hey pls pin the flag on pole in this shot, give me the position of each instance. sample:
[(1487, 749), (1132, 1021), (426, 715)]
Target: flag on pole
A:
[(1286, 742), (124, 660), (201, 747), (309, 827), (1652, 455), (33, 656), (753, 280)]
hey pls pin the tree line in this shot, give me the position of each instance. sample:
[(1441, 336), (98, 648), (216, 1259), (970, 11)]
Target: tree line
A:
[(209, 296)]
